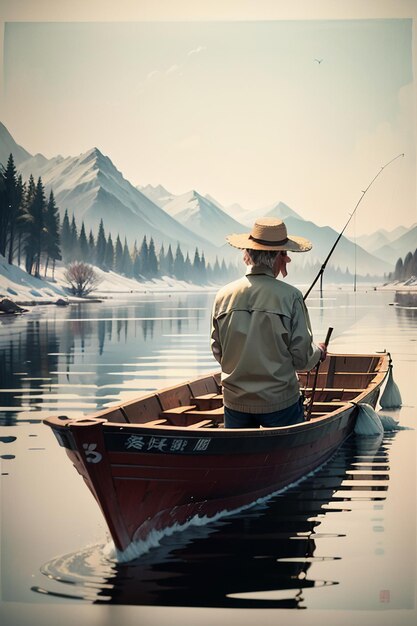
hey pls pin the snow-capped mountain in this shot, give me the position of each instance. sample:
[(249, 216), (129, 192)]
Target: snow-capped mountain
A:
[(203, 217), (399, 247), (386, 244), (236, 211), (280, 210), (346, 254), (380, 238), (159, 195), (9, 146), (91, 188)]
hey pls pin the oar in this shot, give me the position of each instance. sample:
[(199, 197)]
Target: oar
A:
[(313, 391)]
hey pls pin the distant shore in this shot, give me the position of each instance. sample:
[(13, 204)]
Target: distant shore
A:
[(409, 286), (26, 290)]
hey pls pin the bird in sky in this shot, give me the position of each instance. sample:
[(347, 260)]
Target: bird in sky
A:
[(318, 61)]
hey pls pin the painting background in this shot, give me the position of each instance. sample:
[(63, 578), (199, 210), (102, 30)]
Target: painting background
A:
[(76, 10)]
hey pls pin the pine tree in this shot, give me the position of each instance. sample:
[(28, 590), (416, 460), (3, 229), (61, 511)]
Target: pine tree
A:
[(196, 267), (188, 269), (9, 209), (3, 214), (224, 271), (399, 269), (169, 261), (52, 244), (118, 256), (101, 246), (178, 269), (216, 271), (75, 251), (135, 250), (414, 264), (143, 257), (37, 211), (136, 262), (20, 223), (152, 260), (66, 238), (136, 267), (162, 261), (91, 248), (209, 272), (27, 224), (408, 263), (83, 247), (109, 258), (127, 268), (203, 270)]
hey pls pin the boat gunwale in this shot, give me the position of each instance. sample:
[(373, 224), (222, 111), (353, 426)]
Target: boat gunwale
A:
[(145, 428)]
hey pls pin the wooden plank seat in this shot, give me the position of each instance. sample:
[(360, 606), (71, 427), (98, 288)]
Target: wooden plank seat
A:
[(177, 410), (185, 416), (208, 401), (158, 422), (217, 415)]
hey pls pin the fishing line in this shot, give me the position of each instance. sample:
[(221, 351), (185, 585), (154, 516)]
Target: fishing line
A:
[(323, 267)]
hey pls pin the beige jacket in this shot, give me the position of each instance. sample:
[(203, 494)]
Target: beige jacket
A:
[(261, 335)]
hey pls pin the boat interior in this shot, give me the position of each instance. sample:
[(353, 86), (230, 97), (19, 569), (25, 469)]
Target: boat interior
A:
[(199, 403)]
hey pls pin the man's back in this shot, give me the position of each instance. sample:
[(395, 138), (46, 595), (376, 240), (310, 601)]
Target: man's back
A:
[(262, 334)]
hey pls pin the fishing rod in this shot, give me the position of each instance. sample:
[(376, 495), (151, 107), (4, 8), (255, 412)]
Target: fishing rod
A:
[(323, 267), (316, 375)]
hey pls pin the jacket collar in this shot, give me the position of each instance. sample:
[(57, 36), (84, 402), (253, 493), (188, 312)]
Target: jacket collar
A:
[(255, 270)]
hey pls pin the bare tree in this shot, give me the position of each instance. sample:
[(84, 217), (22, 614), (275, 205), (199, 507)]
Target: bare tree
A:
[(81, 278)]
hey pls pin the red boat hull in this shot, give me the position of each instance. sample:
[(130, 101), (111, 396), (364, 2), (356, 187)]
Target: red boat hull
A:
[(149, 477)]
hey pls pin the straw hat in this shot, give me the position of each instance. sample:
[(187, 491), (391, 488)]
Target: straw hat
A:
[(268, 233)]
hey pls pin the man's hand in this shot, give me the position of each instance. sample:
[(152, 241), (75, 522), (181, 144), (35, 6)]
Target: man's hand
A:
[(323, 349)]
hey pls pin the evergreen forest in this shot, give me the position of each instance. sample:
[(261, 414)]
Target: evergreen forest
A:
[(33, 236)]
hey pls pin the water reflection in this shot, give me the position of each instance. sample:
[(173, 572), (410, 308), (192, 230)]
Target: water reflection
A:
[(406, 299), (408, 313), (291, 552), (94, 344), (27, 359), (261, 558)]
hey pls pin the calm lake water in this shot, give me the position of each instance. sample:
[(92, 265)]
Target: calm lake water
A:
[(340, 547)]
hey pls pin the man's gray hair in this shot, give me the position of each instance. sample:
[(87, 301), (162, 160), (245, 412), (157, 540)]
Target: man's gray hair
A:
[(263, 257)]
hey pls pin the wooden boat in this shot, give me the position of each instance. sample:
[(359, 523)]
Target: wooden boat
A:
[(166, 457)]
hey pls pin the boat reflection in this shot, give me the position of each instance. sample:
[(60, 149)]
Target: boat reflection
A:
[(261, 557)]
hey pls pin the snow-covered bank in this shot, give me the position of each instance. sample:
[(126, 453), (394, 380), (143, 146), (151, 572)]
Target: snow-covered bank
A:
[(27, 290), (397, 285), (19, 286)]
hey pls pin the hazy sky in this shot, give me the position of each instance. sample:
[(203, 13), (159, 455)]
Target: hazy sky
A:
[(239, 110)]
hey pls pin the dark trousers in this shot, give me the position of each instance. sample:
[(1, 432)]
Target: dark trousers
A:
[(294, 414)]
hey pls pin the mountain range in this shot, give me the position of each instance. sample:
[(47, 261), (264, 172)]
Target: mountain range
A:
[(92, 188), (390, 245)]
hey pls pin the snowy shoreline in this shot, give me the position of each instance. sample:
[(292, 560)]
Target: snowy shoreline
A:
[(26, 290)]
